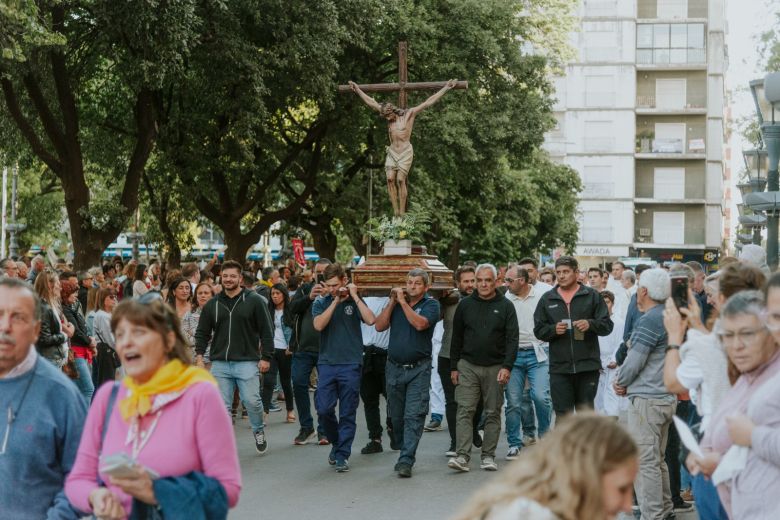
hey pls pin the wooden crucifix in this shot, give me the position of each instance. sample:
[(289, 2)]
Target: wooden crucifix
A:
[(400, 121)]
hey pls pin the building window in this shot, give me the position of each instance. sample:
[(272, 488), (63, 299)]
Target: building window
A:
[(669, 183), (664, 43), (596, 227), (599, 136), (669, 227), (597, 181)]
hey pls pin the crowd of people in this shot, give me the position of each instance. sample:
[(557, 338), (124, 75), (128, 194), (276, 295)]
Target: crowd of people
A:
[(99, 370)]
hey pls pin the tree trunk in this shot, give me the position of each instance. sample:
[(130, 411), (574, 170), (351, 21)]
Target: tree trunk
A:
[(237, 245), (454, 260), (173, 258), (325, 242)]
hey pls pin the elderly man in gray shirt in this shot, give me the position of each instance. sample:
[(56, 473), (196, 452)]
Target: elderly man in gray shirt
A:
[(651, 405)]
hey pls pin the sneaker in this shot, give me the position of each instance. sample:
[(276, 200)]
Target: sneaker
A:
[(342, 466), (332, 456), (274, 407), (513, 452), (433, 426), (261, 445), (322, 440), (404, 470), (477, 439), (459, 464), (303, 437), (372, 447), (451, 452), (488, 464), (528, 440)]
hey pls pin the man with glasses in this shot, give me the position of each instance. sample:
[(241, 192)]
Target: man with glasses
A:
[(9, 268), (41, 414), (483, 352), (651, 406), (530, 363)]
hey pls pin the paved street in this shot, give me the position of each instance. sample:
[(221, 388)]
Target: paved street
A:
[(297, 482)]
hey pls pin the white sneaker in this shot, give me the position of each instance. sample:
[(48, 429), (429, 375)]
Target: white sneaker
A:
[(459, 464), (488, 464), (512, 453)]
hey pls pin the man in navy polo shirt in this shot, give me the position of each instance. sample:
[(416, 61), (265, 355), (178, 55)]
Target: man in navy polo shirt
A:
[(408, 370), (337, 317)]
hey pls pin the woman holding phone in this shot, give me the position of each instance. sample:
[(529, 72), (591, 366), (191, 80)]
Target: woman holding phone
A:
[(162, 417)]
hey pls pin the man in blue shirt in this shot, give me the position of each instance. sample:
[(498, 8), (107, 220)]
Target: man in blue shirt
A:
[(337, 317), (408, 371)]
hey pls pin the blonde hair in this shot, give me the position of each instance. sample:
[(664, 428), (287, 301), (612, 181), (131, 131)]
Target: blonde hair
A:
[(563, 472)]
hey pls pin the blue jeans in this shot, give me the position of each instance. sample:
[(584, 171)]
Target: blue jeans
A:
[(408, 396), (338, 384), (538, 374), (84, 382), (707, 500), (527, 414), (246, 376), (302, 365)]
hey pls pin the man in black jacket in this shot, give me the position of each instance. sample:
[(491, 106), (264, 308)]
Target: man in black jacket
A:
[(571, 317), (483, 351), (238, 323), (305, 344)]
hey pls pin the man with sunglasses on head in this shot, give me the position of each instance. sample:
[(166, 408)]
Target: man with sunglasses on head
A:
[(483, 351)]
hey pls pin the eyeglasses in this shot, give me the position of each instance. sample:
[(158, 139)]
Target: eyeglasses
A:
[(748, 337)]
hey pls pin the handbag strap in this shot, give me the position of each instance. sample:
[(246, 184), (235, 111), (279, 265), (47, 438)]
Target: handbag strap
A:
[(109, 409)]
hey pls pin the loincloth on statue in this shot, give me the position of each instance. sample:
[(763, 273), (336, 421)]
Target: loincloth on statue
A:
[(399, 161)]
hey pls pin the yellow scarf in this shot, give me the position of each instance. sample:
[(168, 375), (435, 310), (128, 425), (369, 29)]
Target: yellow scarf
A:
[(174, 376)]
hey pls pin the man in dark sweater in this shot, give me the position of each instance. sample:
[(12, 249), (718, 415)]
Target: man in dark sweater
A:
[(305, 344), (238, 323), (571, 317), (483, 350)]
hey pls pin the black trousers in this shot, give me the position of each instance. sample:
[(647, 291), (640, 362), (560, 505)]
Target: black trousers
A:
[(281, 364), (570, 391), (672, 454), (450, 405), (372, 386)]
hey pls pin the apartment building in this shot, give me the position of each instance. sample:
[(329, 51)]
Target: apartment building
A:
[(640, 116)]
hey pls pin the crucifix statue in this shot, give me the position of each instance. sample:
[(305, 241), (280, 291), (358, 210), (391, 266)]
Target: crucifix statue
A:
[(400, 121)]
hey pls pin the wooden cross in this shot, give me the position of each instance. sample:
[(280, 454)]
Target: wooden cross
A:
[(403, 86)]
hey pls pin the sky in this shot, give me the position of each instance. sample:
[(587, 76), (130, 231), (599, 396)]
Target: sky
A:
[(746, 20)]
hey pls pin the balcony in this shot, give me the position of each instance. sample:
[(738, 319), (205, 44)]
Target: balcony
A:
[(682, 137), (596, 235), (671, 9), (694, 231), (653, 184), (598, 190)]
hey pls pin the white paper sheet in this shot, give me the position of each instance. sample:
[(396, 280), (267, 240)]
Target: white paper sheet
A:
[(686, 436)]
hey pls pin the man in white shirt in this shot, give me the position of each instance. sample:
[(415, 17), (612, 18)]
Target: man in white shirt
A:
[(372, 384), (531, 361)]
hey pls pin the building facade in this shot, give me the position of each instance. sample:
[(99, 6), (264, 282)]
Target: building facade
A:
[(640, 116)]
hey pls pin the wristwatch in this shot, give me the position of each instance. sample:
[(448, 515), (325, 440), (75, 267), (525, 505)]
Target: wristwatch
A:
[(672, 347)]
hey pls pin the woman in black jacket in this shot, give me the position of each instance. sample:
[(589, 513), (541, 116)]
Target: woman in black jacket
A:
[(82, 345), (52, 341)]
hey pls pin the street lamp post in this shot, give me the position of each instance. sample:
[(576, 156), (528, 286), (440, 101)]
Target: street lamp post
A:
[(755, 166), (766, 94)]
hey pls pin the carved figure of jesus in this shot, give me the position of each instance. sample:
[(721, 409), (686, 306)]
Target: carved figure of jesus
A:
[(400, 152)]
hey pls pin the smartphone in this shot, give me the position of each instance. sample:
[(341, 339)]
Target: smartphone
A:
[(680, 291), (320, 278), (119, 465)]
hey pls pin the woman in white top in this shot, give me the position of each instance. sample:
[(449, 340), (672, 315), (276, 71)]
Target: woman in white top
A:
[(189, 323), (583, 469), (281, 364), (139, 281), (607, 401)]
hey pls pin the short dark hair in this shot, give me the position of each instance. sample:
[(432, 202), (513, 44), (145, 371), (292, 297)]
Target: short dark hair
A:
[(248, 278), (641, 268), (549, 271), (139, 272), (64, 275), (528, 260), (523, 273), (621, 264), (334, 271), (567, 261), (232, 264), (421, 273), (463, 269), (596, 269), (21, 285), (608, 295)]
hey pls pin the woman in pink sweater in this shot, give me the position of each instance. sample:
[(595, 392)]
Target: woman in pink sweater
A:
[(168, 418)]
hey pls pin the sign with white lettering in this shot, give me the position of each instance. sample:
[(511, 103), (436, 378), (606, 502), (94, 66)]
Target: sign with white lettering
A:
[(601, 251)]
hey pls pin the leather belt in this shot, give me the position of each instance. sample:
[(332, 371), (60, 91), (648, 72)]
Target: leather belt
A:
[(409, 366)]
